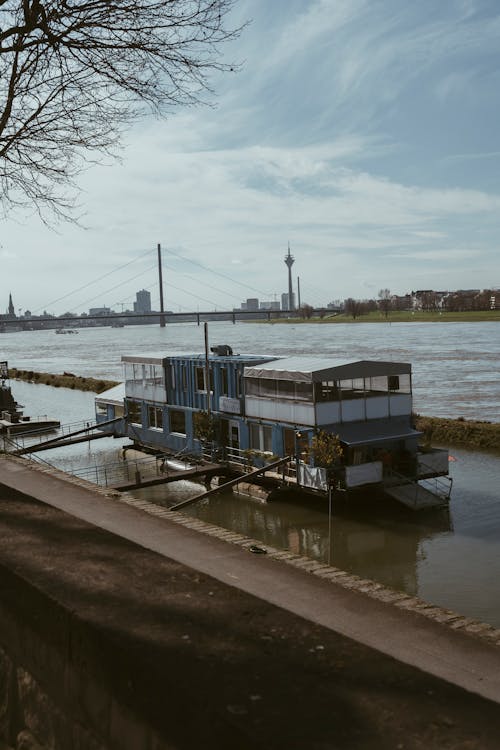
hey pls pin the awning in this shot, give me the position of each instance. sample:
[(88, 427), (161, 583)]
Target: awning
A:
[(364, 433), (316, 370)]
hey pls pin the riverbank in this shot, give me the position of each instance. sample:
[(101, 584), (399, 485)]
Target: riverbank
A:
[(395, 316), (66, 380), (459, 432)]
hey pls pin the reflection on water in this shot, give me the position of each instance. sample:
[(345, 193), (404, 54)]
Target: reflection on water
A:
[(450, 559)]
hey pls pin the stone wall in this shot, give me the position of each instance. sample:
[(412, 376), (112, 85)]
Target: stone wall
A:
[(54, 693)]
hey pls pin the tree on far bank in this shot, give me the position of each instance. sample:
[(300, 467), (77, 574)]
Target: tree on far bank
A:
[(385, 301), (306, 311), (74, 74)]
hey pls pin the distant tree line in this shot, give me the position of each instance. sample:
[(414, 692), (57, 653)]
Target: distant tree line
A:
[(427, 301)]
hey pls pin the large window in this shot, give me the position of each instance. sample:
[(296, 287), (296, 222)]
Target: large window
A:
[(134, 411), (261, 437), (177, 421), (280, 389), (155, 417)]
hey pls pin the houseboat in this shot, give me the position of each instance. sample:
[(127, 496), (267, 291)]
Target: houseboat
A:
[(346, 426)]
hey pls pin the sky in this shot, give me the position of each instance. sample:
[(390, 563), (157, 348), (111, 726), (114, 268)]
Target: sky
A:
[(365, 133)]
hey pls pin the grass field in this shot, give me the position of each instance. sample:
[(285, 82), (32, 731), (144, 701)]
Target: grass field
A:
[(479, 316)]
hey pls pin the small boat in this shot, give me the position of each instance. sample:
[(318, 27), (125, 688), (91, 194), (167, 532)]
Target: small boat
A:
[(12, 419), (66, 330)]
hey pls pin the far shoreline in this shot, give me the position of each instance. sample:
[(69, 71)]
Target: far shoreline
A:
[(405, 316)]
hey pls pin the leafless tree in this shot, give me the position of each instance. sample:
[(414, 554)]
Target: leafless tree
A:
[(73, 73), (385, 301), (306, 311)]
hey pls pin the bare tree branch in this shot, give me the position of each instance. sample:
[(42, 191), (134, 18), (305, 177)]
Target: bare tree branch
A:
[(72, 74)]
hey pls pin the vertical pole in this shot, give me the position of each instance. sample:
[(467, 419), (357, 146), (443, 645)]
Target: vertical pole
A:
[(329, 522), (207, 368), (160, 281), (298, 292)]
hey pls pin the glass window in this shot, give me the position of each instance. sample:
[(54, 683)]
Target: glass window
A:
[(184, 378), (155, 417), (255, 436), (200, 379), (134, 411), (223, 381), (303, 391), (326, 391), (177, 421), (101, 409), (267, 438), (379, 383), (261, 437)]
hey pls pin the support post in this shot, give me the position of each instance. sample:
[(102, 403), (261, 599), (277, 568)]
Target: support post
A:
[(160, 281), (207, 369)]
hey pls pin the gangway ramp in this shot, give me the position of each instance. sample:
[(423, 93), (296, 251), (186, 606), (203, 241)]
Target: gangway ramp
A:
[(206, 470), (414, 496), (70, 438)]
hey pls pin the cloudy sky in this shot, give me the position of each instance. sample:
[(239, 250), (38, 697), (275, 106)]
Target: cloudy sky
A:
[(365, 133)]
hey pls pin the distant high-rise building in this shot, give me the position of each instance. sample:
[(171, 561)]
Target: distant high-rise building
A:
[(251, 304), (284, 302), (143, 302), (272, 305)]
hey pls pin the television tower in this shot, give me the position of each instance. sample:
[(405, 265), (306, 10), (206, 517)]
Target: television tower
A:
[(289, 260)]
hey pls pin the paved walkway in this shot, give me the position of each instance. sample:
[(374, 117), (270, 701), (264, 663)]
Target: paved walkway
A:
[(458, 657)]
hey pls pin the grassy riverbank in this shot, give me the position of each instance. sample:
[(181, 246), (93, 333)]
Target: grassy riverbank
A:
[(403, 316), (460, 432), (66, 380)]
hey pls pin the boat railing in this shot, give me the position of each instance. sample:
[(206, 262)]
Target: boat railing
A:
[(129, 470), (29, 438), (438, 486), (247, 459)]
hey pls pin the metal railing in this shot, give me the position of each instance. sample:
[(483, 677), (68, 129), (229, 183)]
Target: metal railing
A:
[(29, 438)]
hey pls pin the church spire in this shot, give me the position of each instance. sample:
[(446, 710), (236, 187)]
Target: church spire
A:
[(11, 306)]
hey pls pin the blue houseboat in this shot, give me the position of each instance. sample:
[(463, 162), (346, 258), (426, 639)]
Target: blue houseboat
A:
[(346, 425)]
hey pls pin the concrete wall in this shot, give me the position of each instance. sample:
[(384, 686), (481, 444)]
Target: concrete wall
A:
[(54, 691)]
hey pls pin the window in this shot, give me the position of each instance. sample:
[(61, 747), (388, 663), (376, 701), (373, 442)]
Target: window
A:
[(201, 379), (223, 381), (281, 389), (155, 417), (261, 437), (326, 391), (177, 421), (101, 409), (184, 378), (394, 382), (134, 411)]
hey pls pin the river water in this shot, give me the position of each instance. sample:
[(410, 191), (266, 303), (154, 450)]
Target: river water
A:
[(450, 558)]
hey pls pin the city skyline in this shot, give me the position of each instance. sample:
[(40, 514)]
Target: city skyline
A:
[(366, 138)]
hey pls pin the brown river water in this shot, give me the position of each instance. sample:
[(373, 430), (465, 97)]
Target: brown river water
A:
[(450, 558)]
